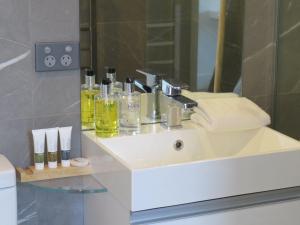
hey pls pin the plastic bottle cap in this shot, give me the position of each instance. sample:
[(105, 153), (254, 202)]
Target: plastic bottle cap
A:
[(52, 165), (129, 80), (106, 81), (129, 85), (65, 163), (89, 72), (39, 166)]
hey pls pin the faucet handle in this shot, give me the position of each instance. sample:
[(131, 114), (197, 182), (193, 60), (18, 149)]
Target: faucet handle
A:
[(171, 87), (152, 77)]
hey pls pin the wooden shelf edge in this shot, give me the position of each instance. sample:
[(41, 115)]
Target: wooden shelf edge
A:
[(30, 174)]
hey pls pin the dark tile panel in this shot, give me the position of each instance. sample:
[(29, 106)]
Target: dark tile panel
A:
[(288, 14), (259, 28), (121, 45), (287, 114), (258, 73), (120, 11), (288, 74)]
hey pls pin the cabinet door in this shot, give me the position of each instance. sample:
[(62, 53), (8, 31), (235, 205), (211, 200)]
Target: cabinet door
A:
[(283, 213), (104, 209)]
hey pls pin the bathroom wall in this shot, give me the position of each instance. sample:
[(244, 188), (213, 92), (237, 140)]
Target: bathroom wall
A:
[(270, 61), (138, 34), (120, 27), (85, 34), (30, 100), (233, 46), (287, 98), (259, 48)]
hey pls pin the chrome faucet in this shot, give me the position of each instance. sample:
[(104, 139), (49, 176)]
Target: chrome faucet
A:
[(169, 87), (172, 89), (152, 87)]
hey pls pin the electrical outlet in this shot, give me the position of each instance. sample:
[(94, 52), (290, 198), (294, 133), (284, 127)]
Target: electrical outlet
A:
[(66, 60), (50, 61), (55, 56)]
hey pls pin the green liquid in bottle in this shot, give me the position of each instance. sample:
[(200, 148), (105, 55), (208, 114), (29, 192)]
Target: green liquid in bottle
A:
[(106, 117)]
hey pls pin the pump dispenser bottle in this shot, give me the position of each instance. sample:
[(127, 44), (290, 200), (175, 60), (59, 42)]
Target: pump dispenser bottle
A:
[(106, 111), (130, 106), (88, 92), (112, 76)]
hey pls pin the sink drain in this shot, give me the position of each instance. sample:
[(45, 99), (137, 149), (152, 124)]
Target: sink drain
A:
[(178, 145)]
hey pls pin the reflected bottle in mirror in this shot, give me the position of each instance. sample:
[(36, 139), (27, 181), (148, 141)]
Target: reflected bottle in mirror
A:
[(130, 109), (106, 111)]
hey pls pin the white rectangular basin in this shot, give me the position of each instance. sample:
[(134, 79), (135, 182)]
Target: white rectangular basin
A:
[(146, 171)]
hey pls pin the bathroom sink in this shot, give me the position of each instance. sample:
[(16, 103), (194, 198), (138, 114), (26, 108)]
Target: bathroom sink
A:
[(160, 168)]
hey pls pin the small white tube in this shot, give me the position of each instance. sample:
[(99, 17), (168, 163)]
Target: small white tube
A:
[(65, 134), (52, 136), (39, 148)]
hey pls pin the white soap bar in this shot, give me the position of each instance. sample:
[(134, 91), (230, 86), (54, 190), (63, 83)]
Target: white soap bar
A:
[(79, 162)]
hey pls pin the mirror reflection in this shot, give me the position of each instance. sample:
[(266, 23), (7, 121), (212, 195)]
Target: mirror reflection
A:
[(178, 39)]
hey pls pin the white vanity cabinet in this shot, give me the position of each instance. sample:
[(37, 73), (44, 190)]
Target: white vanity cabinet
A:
[(273, 208), (253, 179), (284, 213)]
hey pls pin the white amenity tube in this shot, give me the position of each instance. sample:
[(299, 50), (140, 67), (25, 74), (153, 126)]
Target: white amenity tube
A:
[(39, 148), (52, 137), (65, 134)]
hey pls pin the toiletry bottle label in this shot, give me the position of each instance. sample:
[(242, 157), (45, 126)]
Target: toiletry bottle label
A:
[(65, 155), (39, 157), (52, 156), (133, 106)]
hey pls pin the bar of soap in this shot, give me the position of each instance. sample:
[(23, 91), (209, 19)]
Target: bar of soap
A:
[(80, 162)]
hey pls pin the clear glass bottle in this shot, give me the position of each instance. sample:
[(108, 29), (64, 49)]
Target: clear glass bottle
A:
[(112, 76), (106, 111), (130, 107), (87, 94)]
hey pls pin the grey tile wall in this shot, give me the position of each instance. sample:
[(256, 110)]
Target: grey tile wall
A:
[(259, 48), (120, 36), (233, 45), (30, 100), (287, 107), (127, 35), (271, 60)]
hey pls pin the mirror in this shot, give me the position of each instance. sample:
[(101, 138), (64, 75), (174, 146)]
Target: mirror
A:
[(175, 37), (183, 39)]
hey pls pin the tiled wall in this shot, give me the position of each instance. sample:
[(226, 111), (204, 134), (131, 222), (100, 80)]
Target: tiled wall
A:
[(287, 100), (120, 27), (271, 60), (138, 34), (259, 47), (30, 100), (233, 45)]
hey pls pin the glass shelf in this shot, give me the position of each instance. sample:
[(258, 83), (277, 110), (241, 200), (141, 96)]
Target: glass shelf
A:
[(79, 184)]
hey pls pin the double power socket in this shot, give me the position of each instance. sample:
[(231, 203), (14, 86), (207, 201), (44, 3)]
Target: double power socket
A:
[(56, 56)]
